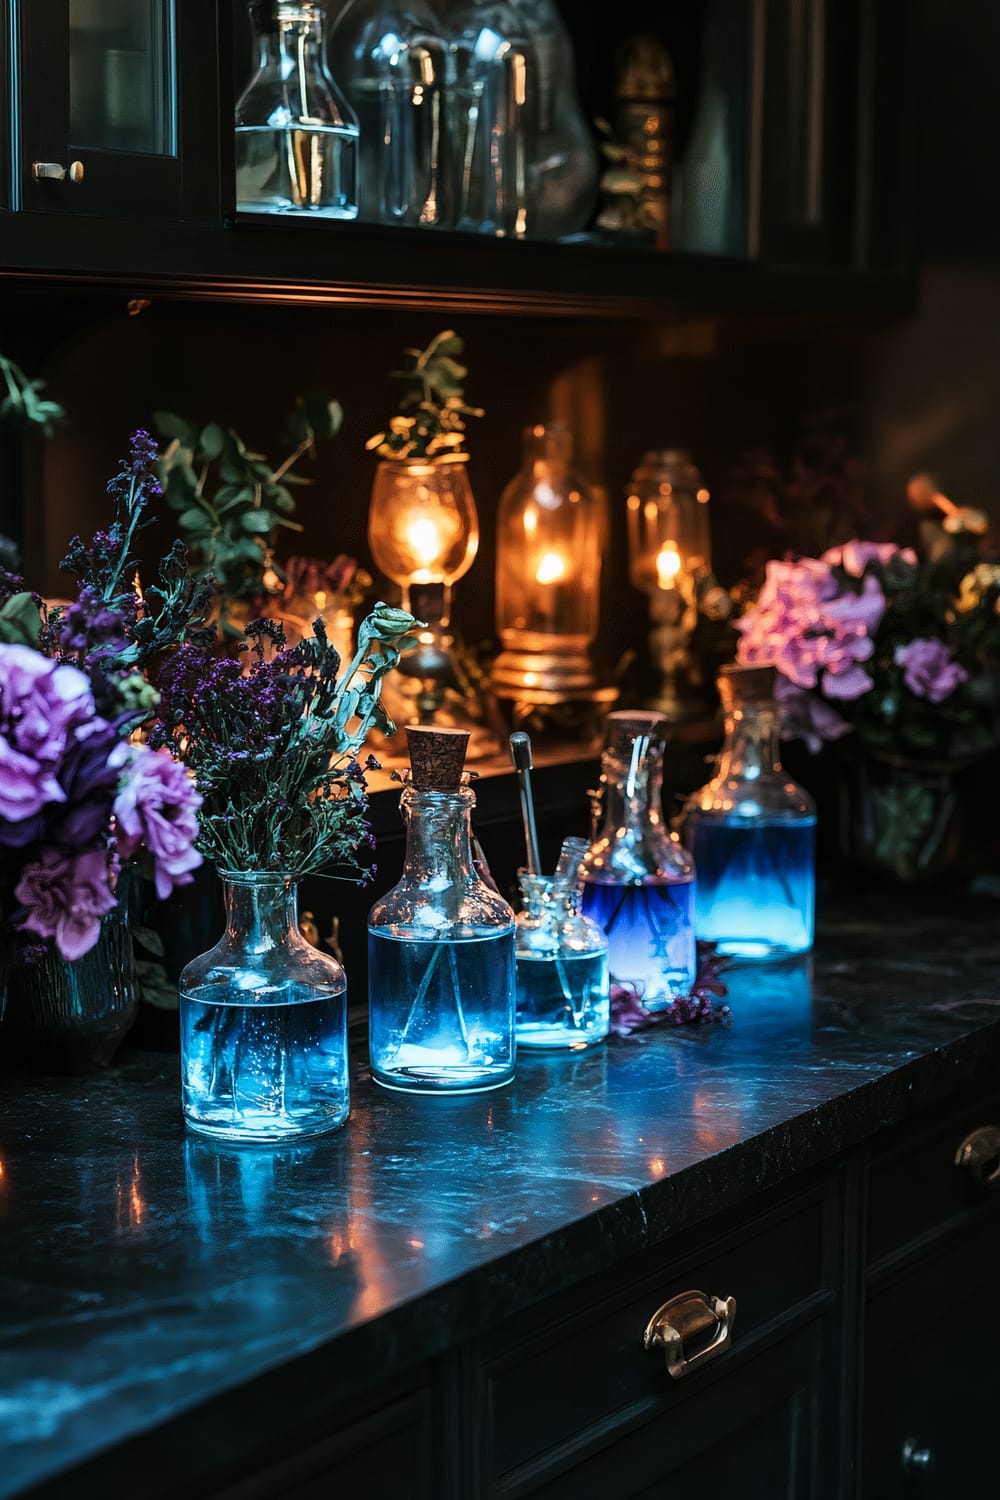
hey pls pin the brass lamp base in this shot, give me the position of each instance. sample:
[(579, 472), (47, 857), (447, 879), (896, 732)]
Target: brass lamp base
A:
[(552, 675)]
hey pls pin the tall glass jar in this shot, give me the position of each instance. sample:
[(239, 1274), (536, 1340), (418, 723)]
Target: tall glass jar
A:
[(565, 168), (551, 533), (391, 60), (638, 880), (296, 135), (263, 1023), (562, 961), (441, 982), (752, 831), (492, 116)]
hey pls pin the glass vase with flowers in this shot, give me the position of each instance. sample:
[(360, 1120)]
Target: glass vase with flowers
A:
[(273, 744), (84, 808), (903, 656)]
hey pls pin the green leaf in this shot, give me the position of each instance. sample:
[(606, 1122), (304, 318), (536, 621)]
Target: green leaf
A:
[(212, 440), (172, 426), (193, 519), (19, 621), (149, 939), (257, 521)]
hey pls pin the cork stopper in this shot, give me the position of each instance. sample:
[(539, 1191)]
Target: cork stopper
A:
[(625, 725), (436, 758), (746, 686)]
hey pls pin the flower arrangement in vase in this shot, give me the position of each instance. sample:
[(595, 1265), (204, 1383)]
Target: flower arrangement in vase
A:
[(901, 654), (81, 805), (273, 746)]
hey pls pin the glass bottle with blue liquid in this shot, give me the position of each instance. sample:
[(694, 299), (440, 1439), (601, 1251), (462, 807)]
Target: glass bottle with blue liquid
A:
[(563, 996), (441, 986), (752, 831), (638, 880)]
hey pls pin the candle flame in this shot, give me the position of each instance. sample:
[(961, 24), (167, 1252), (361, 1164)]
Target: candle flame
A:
[(551, 568), (668, 565), (423, 537)]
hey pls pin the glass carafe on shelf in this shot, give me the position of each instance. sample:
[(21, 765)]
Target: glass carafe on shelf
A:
[(638, 881), (391, 60), (752, 831), (562, 960), (296, 135), (492, 116), (441, 984), (565, 168)]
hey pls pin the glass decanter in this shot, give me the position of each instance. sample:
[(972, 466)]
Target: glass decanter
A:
[(391, 60), (562, 960), (263, 1019), (296, 136), (752, 831), (638, 881), (492, 116), (565, 168), (441, 981)]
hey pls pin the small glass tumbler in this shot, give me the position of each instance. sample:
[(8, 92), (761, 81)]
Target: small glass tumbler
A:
[(561, 963)]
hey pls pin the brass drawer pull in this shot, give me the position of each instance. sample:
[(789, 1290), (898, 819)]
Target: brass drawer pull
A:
[(691, 1329), (979, 1155), (54, 171)]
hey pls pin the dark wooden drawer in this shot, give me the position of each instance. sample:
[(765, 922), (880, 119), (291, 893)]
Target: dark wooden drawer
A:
[(916, 1193), (380, 1456), (583, 1375)]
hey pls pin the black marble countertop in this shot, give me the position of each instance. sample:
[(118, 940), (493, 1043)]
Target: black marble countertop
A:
[(145, 1272)]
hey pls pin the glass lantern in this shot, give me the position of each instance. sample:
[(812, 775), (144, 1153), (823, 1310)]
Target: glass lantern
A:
[(670, 559), (551, 531), (423, 531)]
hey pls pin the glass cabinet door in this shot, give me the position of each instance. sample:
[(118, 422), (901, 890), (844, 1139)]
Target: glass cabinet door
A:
[(99, 104)]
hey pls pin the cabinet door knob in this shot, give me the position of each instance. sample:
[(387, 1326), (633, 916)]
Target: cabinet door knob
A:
[(690, 1329), (54, 171), (979, 1155)]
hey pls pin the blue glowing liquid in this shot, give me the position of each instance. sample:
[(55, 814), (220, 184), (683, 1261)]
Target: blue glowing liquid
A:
[(441, 1014), (650, 930), (756, 884), (272, 1069), (562, 1002)]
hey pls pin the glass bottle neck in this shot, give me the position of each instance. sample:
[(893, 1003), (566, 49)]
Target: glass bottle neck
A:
[(633, 791), (292, 47), (439, 835), (752, 745), (261, 911)]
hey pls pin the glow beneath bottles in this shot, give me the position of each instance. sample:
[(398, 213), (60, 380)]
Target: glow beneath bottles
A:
[(756, 884), (562, 1002)]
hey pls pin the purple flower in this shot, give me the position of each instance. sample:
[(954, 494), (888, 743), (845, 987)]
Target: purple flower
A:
[(157, 806), (41, 704), (807, 716), (854, 557), (928, 669), (66, 897)]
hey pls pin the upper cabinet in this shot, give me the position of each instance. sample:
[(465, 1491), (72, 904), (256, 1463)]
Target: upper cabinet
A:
[(709, 155)]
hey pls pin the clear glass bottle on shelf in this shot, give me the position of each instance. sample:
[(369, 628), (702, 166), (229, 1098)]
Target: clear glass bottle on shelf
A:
[(391, 60), (263, 1019), (752, 831), (638, 880), (562, 960), (565, 169), (492, 116), (296, 135), (441, 984)]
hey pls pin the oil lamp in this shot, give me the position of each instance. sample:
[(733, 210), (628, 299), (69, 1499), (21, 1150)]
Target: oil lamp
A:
[(423, 531), (551, 531), (670, 559)]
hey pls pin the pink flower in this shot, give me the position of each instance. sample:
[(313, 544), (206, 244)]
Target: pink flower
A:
[(854, 557), (928, 669), (807, 716), (157, 807), (41, 706), (66, 897)]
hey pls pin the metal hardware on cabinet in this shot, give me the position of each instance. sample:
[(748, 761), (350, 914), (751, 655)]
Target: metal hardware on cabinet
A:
[(681, 1325), (914, 1458), (54, 171), (979, 1155)]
